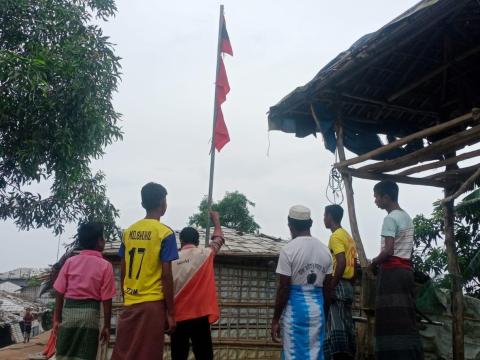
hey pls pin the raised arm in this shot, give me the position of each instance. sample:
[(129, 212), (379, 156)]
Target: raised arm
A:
[(217, 237)]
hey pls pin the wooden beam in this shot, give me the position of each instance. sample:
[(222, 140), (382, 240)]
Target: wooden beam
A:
[(391, 106), (347, 180), (432, 74), (451, 143), (464, 187), (405, 140), (397, 178), (437, 164), (454, 172)]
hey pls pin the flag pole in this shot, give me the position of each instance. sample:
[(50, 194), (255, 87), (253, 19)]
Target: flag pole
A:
[(212, 148)]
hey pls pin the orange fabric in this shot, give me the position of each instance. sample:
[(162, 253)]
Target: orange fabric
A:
[(198, 297), (49, 349)]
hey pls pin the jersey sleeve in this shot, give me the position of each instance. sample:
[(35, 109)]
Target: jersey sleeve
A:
[(389, 227), (61, 282), (336, 245), (168, 250), (284, 266), (121, 251)]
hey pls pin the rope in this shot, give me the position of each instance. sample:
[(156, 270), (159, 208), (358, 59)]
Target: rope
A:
[(334, 192), (335, 187)]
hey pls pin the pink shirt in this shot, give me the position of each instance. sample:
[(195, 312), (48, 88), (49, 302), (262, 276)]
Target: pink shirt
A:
[(86, 276)]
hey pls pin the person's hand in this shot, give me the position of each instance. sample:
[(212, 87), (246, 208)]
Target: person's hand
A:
[(276, 331), (215, 216), (105, 335), (171, 324)]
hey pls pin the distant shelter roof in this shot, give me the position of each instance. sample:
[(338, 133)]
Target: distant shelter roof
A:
[(236, 244)]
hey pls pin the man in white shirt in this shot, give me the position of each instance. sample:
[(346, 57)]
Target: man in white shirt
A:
[(304, 268)]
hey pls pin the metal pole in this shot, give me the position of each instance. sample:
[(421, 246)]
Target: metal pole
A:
[(212, 148)]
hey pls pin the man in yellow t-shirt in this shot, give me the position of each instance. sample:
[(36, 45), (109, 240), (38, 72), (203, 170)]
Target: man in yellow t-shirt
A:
[(340, 339), (147, 251)]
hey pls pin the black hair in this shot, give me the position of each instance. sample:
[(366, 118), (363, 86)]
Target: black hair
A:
[(335, 211), (88, 235), (153, 195), (300, 225), (387, 187), (189, 235)]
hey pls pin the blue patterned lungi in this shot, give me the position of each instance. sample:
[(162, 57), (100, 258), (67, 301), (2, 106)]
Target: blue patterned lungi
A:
[(303, 324)]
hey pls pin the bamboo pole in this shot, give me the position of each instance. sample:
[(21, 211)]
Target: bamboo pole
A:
[(448, 144), (463, 188), (396, 178), (438, 164), (456, 279), (366, 337), (347, 180), (215, 110), (405, 140)]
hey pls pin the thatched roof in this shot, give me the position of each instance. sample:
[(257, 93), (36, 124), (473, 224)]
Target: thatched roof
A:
[(419, 70), (236, 244)]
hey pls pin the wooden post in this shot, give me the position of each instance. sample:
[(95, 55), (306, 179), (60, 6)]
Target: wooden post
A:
[(347, 180), (366, 334), (456, 278)]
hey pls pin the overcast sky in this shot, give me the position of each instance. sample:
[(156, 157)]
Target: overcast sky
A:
[(166, 95)]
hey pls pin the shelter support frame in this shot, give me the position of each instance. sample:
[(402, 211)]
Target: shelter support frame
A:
[(454, 180)]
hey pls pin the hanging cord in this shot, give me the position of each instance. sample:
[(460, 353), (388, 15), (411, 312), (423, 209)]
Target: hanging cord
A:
[(334, 192), (268, 148)]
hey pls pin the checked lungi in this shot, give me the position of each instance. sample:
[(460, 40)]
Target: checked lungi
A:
[(78, 333), (303, 324), (396, 332), (340, 337)]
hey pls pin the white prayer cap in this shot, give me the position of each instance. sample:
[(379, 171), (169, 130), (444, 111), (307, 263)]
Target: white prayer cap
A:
[(299, 212)]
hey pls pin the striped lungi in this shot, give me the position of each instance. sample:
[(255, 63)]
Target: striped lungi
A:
[(396, 332), (79, 330), (303, 324), (340, 337)]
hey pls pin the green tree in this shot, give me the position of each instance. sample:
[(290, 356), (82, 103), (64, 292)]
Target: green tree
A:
[(430, 256), (57, 76), (234, 213)]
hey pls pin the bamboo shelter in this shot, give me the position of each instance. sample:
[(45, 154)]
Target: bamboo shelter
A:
[(416, 82), (246, 285)]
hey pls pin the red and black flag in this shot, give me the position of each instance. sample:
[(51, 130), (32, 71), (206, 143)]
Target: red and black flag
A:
[(226, 46), (221, 137)]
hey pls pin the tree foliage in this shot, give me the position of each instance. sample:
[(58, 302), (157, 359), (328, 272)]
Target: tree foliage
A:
[(57, 76), (431, 257), (234, 213)]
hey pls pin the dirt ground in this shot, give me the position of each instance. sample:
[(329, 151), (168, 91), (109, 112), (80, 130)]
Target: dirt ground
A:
[(31, 350)]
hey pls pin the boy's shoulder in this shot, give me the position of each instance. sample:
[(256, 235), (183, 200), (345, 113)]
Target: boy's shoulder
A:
[(149, 224)]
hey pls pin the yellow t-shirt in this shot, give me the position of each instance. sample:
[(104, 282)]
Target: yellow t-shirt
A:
[(145, 245), (341, 241)]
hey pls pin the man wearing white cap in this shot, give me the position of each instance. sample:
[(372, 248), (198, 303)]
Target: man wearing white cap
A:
[(304, 268)]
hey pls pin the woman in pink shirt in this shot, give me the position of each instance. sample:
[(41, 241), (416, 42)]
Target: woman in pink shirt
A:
[(85, 281)]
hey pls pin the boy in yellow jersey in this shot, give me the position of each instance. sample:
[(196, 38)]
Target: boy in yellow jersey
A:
[(340, 339), (147, 250)]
